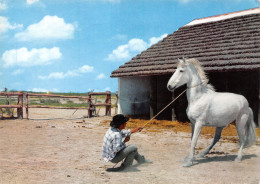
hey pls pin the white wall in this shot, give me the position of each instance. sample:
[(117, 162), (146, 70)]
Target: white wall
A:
[(133, 95)]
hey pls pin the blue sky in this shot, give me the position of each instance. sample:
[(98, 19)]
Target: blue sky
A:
[(74, 45)]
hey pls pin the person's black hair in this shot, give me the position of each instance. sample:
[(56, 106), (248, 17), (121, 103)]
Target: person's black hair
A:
[(118, 120)]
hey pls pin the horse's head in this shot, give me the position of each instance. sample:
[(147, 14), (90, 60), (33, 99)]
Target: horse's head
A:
[(180, 76)]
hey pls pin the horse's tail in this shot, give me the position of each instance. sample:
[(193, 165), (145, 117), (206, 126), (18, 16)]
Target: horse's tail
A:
[(250, 130)]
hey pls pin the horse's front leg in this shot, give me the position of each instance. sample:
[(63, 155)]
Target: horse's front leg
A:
[(190, 158), (215, 140), (192, 124)]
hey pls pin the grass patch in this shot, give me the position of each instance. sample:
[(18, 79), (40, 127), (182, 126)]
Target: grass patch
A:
[(55, 103)]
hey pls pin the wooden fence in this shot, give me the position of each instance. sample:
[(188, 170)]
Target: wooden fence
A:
[(91, 107), (107, 103), (18, 106)]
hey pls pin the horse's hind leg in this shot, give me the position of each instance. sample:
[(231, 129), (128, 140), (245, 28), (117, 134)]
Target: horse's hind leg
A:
[(215, 140), (240, 126)]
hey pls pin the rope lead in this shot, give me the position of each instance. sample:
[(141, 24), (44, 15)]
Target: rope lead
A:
[(164, 108)]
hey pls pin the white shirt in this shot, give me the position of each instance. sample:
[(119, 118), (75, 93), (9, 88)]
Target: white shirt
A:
[(113, 142)]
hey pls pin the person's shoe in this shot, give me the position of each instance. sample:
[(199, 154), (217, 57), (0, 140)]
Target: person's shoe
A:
[(117, 169), (143, 161), (148, 161)]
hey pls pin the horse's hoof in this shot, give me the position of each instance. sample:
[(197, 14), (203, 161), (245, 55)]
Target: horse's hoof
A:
[(238, 159), (187, 164), (201, 155)]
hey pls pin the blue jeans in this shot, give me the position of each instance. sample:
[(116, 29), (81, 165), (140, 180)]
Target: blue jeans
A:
[(129, 153)]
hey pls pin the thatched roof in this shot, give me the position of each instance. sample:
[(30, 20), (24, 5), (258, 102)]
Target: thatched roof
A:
[(221, 43)]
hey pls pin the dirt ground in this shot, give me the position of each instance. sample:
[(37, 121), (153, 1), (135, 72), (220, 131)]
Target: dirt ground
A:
[(55, 146)]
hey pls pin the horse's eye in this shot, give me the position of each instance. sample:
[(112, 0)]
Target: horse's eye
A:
[(181, 71)]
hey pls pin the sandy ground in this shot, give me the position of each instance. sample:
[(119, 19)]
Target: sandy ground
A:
[(67, 149)]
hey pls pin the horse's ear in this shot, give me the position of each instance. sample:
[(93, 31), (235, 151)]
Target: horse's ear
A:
[(180, 60), (183, 61)]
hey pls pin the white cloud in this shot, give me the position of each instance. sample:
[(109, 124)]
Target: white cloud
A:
[(5, 25), (133, 47), (121, 53), (17, 72), (70, 73), (155, 40), (85, 69), (101, 76), (137, 45), (3, 5), (54, 75), (50, 27), (24, 57), (30, 2)]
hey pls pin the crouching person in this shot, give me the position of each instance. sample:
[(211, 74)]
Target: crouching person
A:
[(114, 147)]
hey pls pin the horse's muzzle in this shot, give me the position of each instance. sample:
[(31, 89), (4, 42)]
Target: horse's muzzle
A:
[(170, 88)]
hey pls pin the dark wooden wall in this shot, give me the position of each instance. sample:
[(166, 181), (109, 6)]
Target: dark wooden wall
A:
[(160, 97)]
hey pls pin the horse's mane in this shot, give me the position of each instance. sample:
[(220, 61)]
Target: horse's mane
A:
[(201, 72)]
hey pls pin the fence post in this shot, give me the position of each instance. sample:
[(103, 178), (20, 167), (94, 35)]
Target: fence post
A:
[(108, 101), (20, 102), (89, 106), (27, 105)]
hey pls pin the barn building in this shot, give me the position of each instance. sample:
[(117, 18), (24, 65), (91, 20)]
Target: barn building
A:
[(228, 47)]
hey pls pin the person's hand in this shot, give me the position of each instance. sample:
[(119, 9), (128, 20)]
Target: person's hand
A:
[(127, 138), (138, 129)]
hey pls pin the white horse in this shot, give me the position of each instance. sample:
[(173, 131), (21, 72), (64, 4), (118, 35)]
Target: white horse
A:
[(209, 108)]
